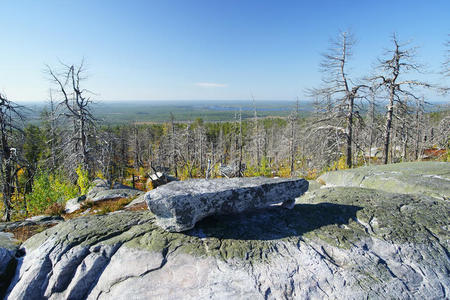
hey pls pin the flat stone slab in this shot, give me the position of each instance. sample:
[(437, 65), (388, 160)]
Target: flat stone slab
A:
[(113, 194), (429, 178), (178, 206)]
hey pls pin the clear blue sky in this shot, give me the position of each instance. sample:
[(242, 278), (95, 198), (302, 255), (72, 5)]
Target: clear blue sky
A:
[(207, 49)]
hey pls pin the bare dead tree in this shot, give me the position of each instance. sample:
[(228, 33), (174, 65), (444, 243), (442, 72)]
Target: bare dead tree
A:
[(446, 64), (241, 145), (52, 132), (10, 118), (75, 106), (339, 93), (107, 154), (173, 147), (256, 135), (293, 120), (399, 62)]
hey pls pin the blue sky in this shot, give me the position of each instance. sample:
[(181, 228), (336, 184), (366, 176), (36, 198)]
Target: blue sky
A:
[(143, 50)]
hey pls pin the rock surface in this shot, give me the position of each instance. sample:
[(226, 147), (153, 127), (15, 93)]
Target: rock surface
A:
[(178, 206), (8, 248), (42, 220), (430, 178), (101, 191), (337, 242), (139, 200), (74, 204), (115, 193)]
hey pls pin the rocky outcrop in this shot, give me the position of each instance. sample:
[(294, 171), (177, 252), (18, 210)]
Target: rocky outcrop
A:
[(138, 201), (178, 206), (114, 194), (7, 267), (430, 178), (74, 204), (336, 242), (41, 220), (101, 191), (8, 248)]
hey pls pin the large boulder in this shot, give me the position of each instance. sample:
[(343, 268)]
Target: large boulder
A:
[(102, 190), (8, 248), (114, 194), (178, 206), (430, 178), (338, 243), (7, 265)]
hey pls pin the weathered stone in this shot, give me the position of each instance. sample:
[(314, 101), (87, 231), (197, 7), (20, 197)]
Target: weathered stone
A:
[(340, 243), (102, 191), (114, 194), (74, 204), (45, 218), (7, 269), (336, 243), (179, 205), (8, 248), (42, 220), (99, 185), (430, 178), (7, 240), (139, 200), (159, 178)]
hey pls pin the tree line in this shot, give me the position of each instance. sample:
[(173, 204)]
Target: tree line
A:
[(383, 117)]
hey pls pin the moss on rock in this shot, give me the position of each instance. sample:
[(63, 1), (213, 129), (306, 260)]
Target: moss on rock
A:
[(429, 178), (338, 216)]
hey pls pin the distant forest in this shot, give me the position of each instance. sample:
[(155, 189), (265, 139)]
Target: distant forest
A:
[(384, 117)]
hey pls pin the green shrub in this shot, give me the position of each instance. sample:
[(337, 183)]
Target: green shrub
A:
[(49, 189), (83, 180)]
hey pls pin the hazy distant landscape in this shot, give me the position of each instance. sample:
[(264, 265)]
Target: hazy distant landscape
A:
[(129, 111), (154, 111)]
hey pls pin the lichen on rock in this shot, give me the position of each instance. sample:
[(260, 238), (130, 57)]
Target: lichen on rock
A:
[(336, 242), (178, 206)]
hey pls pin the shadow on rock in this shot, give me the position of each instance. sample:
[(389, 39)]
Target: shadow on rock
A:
[(275, 222)]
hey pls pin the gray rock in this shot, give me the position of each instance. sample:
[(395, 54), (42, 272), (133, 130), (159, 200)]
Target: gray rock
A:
[(98, 185), (179, 205), (45, 218), (137, 201), (102, 191), (8, 248), (336, 243), (74, 204), (340, 243), (430, 178), (7, 269), (7, 240), (114, 194)]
